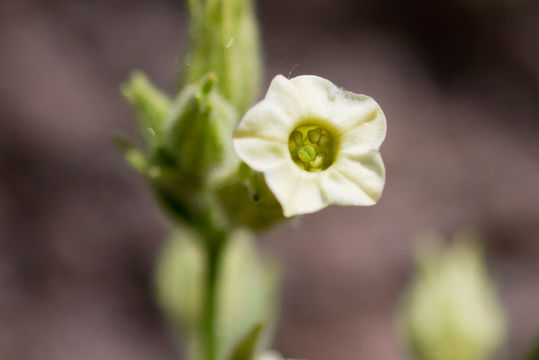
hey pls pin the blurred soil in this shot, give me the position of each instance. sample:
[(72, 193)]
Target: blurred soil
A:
[(458, 82)]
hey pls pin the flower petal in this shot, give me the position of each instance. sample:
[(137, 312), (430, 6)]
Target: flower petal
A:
[(283, 94), (267, 121), (317, 95), (353, 110), (297, 191), (366, 136), (261, 154), (261, 138), (355, 180)]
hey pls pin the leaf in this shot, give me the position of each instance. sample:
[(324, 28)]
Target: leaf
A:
[(246, 347)]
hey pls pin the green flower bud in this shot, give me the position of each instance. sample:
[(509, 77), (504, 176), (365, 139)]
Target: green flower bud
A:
[(248, 293), (224, 41), (247, 290), (179, 274), (188, 143), (199, 129), (246, 200), (451, 312), (150, 105)]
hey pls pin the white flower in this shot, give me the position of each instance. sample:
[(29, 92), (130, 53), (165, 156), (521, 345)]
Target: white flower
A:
[(316, 144)]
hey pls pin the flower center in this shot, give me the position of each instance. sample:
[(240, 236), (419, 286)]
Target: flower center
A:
[(311, 147)]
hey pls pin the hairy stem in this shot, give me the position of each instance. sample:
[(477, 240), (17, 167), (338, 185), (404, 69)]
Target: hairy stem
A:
[(209, 325)]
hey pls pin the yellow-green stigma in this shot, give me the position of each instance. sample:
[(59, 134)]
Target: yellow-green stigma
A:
[(311, 147)]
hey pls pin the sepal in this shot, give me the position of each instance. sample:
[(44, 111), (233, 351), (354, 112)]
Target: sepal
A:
[(150, 104), (199, 128)]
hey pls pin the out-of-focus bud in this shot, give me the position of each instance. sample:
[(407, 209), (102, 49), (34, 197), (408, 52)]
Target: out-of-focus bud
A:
[(224, 40), (199, 128), (179, 278), (247, 290), (150, 104), (247, 201), (451, 311)]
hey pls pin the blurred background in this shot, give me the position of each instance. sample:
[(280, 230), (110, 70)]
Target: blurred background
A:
[(459, 84)]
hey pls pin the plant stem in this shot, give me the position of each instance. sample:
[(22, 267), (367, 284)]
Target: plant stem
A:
[(209, 325)]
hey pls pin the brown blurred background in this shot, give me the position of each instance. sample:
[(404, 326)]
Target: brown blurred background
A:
[(458, 81)]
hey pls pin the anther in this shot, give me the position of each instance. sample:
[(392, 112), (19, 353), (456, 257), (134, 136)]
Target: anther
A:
[(314, 135), (324, 140), (318, 161), (297, 137)]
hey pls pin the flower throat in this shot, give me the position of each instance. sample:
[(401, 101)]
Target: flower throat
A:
[(311, 147)]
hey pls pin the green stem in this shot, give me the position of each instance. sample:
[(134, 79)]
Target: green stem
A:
[(209, 325)]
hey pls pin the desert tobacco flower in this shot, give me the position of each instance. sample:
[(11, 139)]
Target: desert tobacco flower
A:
[(316, 144)]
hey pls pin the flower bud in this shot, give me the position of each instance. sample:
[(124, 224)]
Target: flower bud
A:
[(247, 201), (224, 41), (451, 311), (247, 293), (199, 129)]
